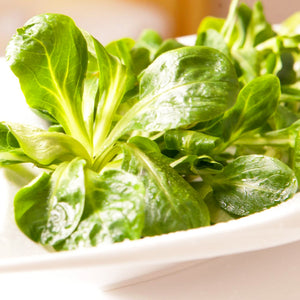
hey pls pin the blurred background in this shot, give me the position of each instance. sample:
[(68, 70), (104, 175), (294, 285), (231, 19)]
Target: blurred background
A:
[(108, 20)]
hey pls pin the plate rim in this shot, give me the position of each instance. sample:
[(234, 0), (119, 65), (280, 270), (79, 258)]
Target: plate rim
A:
[(126, 252)]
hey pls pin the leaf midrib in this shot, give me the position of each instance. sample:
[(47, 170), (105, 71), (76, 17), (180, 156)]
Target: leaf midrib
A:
[(60, 96)]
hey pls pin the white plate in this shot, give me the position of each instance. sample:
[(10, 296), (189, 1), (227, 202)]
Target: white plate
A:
[(114, 264)]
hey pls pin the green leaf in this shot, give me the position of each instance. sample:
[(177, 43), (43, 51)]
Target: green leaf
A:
[(114, 210), (10, 151), (90, 85), (46, 147), (253, 183), (259, 30), (248, 63), (13, 156), (7, 140), (212, 38), (243, 19), (141, 60), (284, 117), (211, 23), (278, 56), (190, 142), (256, 102), (197, 80), (229, 24), (217, 214), (291, 93), (151, 41), (122, 49), (148, 47), (196, 165), (287, 74), (114, 81), (49, 56), (296, 156), (181, 87), (49, 209), (171, 203), (167, 45)]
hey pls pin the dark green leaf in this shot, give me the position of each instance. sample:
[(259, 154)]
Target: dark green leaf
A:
[(181, 87), (114, 210), (190, 142), (197, 165), (256, 102), (217, 214), (171, 203), (49, 209), (287, 74), (253, 183), (284, 117)]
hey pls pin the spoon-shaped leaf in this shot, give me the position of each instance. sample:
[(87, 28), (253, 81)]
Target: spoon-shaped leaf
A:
[(114, 80), (49, 56), (171, 203), (45, 147), (181, 87), (114, 210), (256, 102), (252, 183), (49, 209)]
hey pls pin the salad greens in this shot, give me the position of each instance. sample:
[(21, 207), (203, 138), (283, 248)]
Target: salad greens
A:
[(151, 136)]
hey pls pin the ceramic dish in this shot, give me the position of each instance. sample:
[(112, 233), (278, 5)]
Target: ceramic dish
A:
[(113, 264)]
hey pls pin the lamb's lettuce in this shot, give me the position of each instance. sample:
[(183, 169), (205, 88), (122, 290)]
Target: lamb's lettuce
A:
[(49, 209), (150, 136), (171, 203), (256, 103), (190, 142), (113, 84), (49, 56), (252, 183), (47, 147), (114, 210)]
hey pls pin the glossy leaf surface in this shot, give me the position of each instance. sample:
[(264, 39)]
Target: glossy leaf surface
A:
[(253, 183), (171, 203), (114, 210), (190, 142), (49, 56), (46, 147), (114, 78), (49, 209), (181, 87), (256, 102)]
